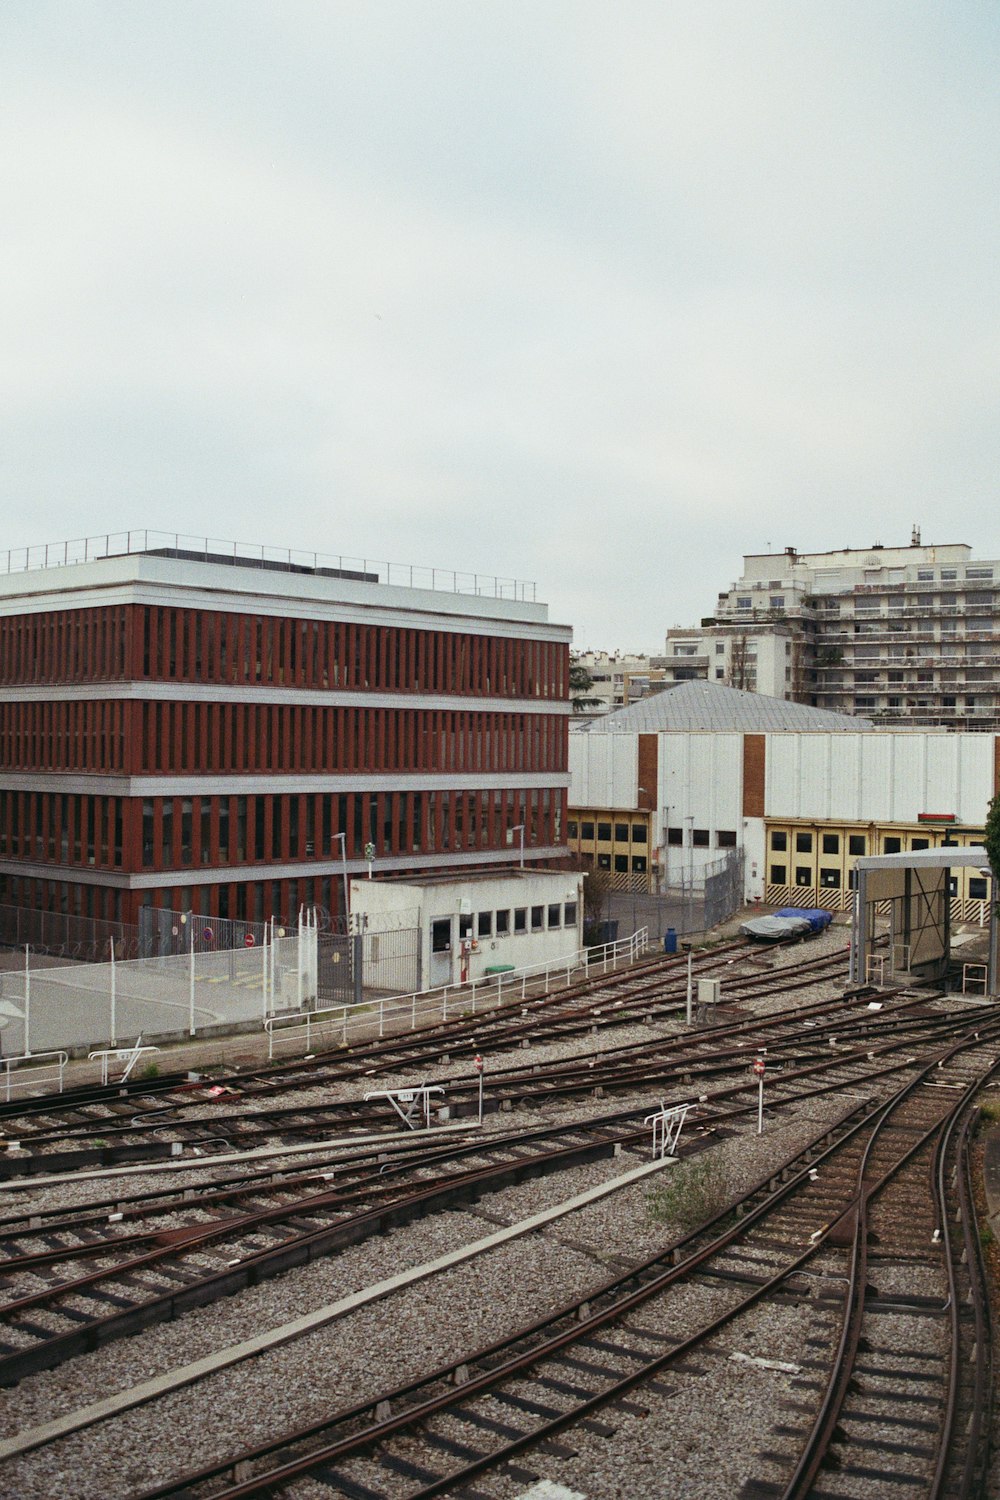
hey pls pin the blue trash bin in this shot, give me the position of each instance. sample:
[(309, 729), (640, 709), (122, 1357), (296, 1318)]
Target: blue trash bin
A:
[(670, 940)]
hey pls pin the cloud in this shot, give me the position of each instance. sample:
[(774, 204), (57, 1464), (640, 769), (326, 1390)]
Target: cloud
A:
[(601, 299)]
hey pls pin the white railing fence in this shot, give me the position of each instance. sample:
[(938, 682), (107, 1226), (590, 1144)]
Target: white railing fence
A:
[(394, 1013)]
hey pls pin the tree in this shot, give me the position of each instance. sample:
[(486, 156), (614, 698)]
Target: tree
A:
[(595, 894), (580, 683), (992, 843)]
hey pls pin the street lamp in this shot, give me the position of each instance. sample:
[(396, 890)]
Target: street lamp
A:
[(343, 854), (519, 828)]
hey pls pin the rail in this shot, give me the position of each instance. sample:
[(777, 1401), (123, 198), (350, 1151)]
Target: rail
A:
[(403, 1012), (251, 555), (42, 1071)]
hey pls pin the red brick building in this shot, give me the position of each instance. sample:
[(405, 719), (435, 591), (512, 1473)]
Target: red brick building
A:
[(191, 728)]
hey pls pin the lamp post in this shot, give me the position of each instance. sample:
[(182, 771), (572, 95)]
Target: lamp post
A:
[(343, 855), (519, 828)]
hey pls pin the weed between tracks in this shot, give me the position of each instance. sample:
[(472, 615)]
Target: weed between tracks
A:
[(697, 1190)]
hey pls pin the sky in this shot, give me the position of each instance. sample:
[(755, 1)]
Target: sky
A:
[(600, 296)]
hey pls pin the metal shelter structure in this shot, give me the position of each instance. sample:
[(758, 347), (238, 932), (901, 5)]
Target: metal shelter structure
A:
[(914, 887)]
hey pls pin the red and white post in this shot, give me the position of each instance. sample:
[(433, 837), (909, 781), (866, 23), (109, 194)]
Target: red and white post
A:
[(477, 1063), (759, 1067)]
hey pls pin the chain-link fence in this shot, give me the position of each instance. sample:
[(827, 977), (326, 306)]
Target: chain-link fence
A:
[(87, 939), (697, 905), (94, 1005)]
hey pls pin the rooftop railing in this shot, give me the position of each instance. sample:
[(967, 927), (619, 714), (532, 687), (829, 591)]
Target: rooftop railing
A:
[(249, 555)]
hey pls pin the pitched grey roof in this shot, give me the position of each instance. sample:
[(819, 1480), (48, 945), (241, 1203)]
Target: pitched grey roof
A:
[(709, 705)]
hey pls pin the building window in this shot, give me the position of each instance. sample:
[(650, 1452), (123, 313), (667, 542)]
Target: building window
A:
[(675, 836), (720, 672), (831, 843), (977, 573), (830, 879), (719, 647), (777, 874), (925, 575), (857, 844), (726, 838), (977, 888), (891, 845), (953, 886), (699, 838), (587, 830), (777, 601), (537, 915), (441, 935), (555, 915), (948, 575), (779, 840), (570, 828), (638, 833), (569, 914), (604, 833), (803, 843), (920, 843), (638, 864), (520, 919), (484, 928), (502, 923), (621, 863), (621, 832), (604, 861), (743, 602), (803, 875)]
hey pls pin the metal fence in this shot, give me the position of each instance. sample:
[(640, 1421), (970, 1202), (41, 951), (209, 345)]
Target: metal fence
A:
[(388, 1014), (63, 936), (692, 906), (94, 1005)]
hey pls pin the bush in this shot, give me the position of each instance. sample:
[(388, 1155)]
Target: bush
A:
[(694, 1192), (151, 1070)]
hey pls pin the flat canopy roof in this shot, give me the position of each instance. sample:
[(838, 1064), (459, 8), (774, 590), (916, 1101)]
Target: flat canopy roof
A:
[(949, 858)]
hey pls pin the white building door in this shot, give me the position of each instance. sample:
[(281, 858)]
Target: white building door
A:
[(441, 946)]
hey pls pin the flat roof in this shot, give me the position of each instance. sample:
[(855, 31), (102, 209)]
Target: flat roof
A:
[(950, 857)]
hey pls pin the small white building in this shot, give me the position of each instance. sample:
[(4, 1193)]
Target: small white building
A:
[(474, 925)]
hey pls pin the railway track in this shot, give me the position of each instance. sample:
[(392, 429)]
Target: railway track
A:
[(489, 1412)]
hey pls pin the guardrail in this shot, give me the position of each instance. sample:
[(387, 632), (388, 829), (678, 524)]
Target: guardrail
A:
[(44, 1073), (395, 1013)]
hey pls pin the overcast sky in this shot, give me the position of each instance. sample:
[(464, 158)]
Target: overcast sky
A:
[(599, 295)]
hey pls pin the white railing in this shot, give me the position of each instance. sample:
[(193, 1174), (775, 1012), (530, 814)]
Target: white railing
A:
[(395, 1013), (251, 554), (43, 1068), (128, 1055)]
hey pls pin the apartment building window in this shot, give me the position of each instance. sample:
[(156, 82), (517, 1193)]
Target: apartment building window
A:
[(744, 603), (977, 573), (949, 575), (925, 575), (777, 874), (857, 843), (895, 702), (720, 673), (949, 701), (864, 703), (719, 647), (777, 601)]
